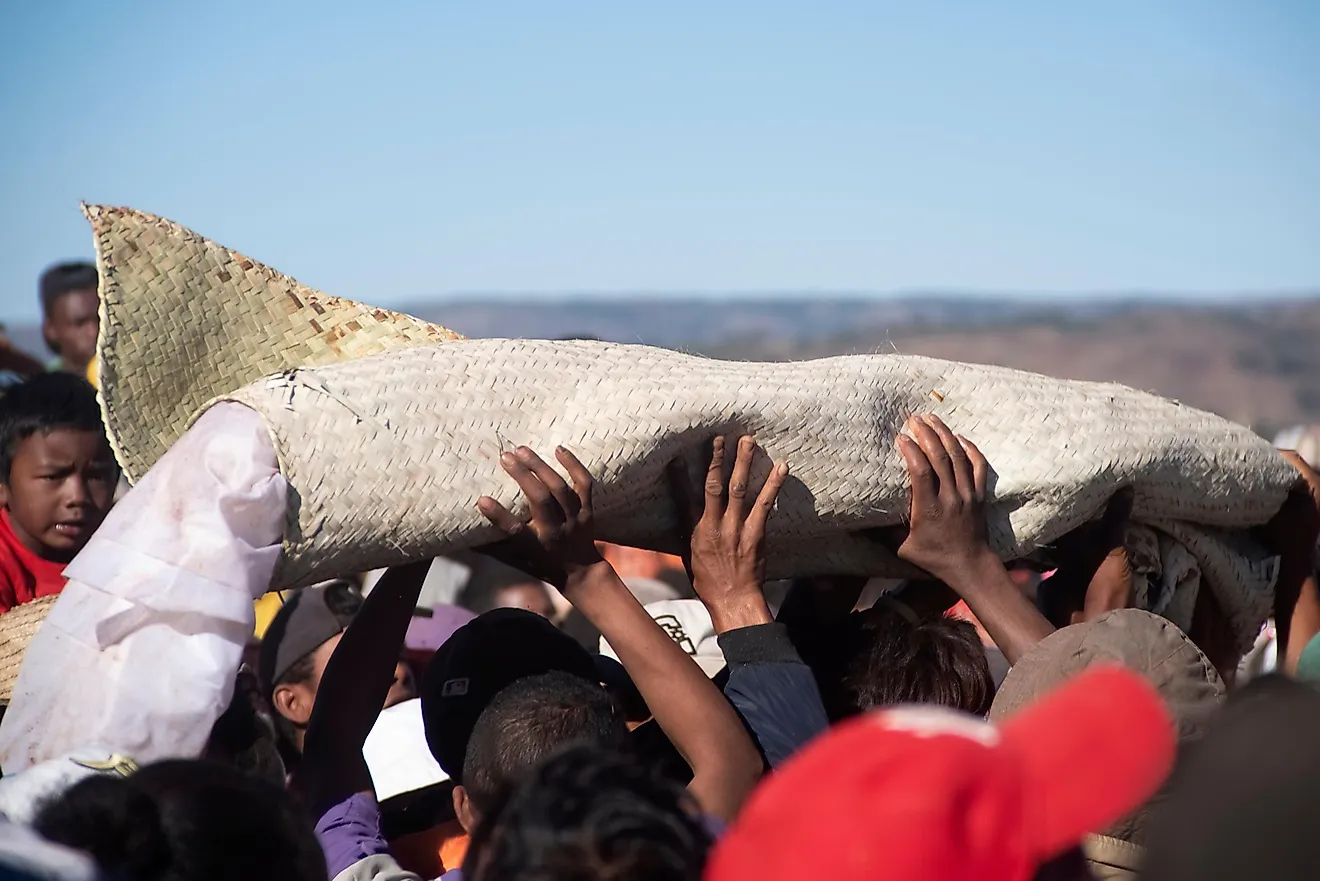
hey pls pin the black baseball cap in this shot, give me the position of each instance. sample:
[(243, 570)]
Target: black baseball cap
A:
[(484, 656), (307, 619)]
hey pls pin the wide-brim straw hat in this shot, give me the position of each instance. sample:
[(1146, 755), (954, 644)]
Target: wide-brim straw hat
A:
[(184, 320), (17, 627)]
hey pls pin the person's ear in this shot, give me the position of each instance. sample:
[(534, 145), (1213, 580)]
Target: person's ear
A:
[(464, 810), (293, 702)]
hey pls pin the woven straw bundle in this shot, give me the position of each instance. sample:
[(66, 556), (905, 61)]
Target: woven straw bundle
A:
[(388, 455), (17, 627), (388, 434), (184, 320)]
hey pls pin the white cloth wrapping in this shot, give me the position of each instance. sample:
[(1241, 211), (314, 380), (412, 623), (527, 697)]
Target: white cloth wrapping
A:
[(138, 655)]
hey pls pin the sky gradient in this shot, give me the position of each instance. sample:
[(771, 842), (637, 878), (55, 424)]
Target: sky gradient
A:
[(412, 149)]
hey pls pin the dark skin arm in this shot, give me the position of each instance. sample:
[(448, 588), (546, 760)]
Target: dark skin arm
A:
[(1292, 534), (726, 551), (947, 535), (353, 689), (557, 546)]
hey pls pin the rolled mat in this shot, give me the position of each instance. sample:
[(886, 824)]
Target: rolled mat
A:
[(17, 627), (387, 443)]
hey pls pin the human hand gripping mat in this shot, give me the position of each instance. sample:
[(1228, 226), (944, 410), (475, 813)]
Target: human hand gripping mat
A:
[(387, 446)]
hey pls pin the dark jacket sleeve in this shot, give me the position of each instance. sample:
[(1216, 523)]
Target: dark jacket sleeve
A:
[(773, 691)]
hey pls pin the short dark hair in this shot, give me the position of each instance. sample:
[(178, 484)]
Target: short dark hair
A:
[(186, 819), (589, 814), (62, 278), (887, 655), (929, 660), (530, 720), (44, 403)]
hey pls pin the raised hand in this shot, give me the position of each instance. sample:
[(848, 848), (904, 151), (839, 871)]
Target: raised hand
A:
[(947, 532), (727, 547), (948, 538), (559, 540)]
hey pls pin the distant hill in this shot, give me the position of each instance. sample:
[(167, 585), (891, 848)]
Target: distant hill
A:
[(689, 322), (1256, 362), (1257, 365)]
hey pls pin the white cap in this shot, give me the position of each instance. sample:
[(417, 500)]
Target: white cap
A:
[(687, 623), (396, 752)]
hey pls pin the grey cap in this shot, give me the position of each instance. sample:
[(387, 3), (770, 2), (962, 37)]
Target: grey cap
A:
[(1141, 641)]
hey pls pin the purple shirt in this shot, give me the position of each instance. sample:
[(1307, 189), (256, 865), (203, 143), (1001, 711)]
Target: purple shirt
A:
[(350, 832)]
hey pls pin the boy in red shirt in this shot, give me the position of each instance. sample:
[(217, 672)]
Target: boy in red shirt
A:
[(57, 480)]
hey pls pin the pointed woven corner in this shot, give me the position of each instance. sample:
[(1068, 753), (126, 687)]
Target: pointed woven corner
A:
[(184, 320), (17, 627)]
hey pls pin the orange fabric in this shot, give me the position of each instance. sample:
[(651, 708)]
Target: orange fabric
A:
[(637, 563), (432, 852)]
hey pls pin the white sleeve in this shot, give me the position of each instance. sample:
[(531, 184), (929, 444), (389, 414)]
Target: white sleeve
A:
[(381, 867)]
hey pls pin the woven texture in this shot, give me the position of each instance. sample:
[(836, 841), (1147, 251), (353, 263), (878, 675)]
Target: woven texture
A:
[(184, 319), (17, 627), (387, 454)]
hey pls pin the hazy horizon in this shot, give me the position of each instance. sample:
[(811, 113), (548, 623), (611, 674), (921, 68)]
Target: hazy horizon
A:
[(384, 152)]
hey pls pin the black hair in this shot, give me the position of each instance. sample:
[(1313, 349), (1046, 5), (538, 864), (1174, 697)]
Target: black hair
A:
[(530, 720), (45, 403), (62, 278), (589, 814), (186, 820), (882, 657), (245, 735)]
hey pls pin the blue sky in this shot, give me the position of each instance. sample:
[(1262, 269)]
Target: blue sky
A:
[(401, 150)]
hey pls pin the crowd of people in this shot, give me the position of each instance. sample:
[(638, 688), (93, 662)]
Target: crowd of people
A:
[(548, 708)]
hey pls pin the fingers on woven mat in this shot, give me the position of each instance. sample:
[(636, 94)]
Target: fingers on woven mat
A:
[(554, 484), (499, 515), (738, 481), (578, 473), (765, 501), (933, 449), (980, 467), (920, 472), (960, 467), (715, 480)]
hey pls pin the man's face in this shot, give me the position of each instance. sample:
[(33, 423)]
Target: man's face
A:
[(60, 487), (297, 699), (71, 328)]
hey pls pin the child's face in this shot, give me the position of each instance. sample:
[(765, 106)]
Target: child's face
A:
[(60, 487), (71, 328)]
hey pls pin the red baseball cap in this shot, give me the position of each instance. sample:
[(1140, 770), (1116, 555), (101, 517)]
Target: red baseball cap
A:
[(928, 793)]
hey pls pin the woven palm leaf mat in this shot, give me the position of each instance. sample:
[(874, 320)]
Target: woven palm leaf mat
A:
[(17, 627), (184, 320), (387, 454)]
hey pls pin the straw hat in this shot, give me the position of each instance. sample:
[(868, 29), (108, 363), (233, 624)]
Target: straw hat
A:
[(184, 320), (17, 627)]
